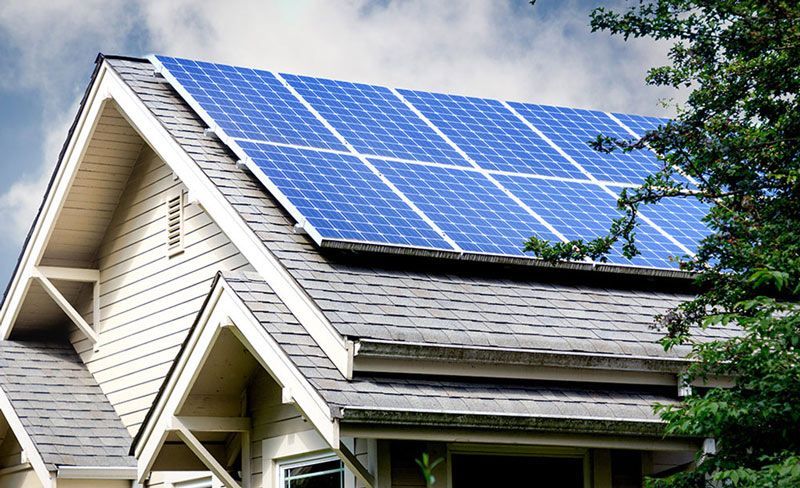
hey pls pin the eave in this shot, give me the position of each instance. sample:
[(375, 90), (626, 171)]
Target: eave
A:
[(448, 360)]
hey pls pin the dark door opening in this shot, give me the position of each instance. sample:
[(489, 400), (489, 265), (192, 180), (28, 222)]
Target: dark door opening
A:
[(485, 471)]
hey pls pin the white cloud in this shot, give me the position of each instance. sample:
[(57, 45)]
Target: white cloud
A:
[(476, 47), (20, 202), (46, 36), (44, 40)]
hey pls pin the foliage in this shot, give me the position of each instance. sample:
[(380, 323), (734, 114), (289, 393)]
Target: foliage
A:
[(427, 467), (738, 138)]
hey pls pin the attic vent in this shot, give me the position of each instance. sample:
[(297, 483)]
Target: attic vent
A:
[(175, 224)]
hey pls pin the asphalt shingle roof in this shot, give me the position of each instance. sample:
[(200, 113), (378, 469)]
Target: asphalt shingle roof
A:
[(371, 297), (455, 397), (61, 406)]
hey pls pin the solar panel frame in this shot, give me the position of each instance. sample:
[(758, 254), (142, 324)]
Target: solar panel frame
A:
[(585, 210), (685, 222), (224, 110), (640, 124), (346, 190)]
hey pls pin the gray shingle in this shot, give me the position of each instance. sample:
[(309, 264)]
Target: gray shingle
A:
[(61, 406), (527, 399)]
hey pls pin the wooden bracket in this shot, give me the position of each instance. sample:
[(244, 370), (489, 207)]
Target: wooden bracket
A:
[(44, 276)]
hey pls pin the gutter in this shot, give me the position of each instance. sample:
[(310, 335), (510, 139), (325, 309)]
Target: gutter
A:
[(500, 421), (446, 353)]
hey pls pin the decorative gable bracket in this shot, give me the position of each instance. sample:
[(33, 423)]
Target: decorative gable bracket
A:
[(46, 273)]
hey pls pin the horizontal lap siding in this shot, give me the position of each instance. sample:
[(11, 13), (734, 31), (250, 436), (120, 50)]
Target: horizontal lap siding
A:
[(271, 418), (20, 479), (148, 301)]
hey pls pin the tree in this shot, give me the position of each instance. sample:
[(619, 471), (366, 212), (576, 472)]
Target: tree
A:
[(738, 137)]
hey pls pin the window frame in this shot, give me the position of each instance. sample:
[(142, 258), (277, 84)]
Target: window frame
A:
[(309, 460)]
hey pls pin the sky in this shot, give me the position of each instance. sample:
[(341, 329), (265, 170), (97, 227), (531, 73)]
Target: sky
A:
[(492, 48)]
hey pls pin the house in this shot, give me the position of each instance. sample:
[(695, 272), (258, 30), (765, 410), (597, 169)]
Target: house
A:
[(180, 318)]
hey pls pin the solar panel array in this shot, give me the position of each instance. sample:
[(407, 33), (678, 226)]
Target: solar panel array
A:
[(364, 164)]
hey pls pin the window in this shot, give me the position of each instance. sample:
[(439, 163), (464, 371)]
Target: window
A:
[(174, 206), (326, 472)]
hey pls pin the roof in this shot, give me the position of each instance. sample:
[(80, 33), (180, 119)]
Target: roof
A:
[(437, 402), (61, 406), (412, 300)]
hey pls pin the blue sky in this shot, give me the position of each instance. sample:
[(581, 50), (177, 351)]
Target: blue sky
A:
[(491, 48)]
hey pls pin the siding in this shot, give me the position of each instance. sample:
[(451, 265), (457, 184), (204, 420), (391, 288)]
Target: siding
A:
[(148, 301), (10, 452), (20, 479), (271, 419)]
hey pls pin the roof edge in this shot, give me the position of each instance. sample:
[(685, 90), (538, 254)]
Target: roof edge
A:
[(500, 421), (402, 351), (531, 262)]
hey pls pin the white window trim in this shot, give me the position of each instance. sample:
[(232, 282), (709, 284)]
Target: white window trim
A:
[(308, 460), (519, 450)]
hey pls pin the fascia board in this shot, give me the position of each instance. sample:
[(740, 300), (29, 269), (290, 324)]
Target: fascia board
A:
[(96, 473)]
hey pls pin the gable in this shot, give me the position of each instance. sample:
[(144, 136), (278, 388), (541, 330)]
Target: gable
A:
[(97, 271)]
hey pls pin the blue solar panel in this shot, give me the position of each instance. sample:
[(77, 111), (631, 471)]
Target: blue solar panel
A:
[(341, 198), (640, 124), (467, 207), (585, 211), (681, 218), (573, 129), (491, 135), (250, 104), (374, 120)]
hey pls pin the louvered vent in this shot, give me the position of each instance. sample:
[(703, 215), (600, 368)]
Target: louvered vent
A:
[(175, 224)]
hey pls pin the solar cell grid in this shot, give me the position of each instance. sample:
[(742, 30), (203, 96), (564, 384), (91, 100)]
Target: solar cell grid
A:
[(573, 129), (491, 135), (341, 198), (374, 121), (250, 104), (471, 210), (585, 211), (640, 124), (680, 218)]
